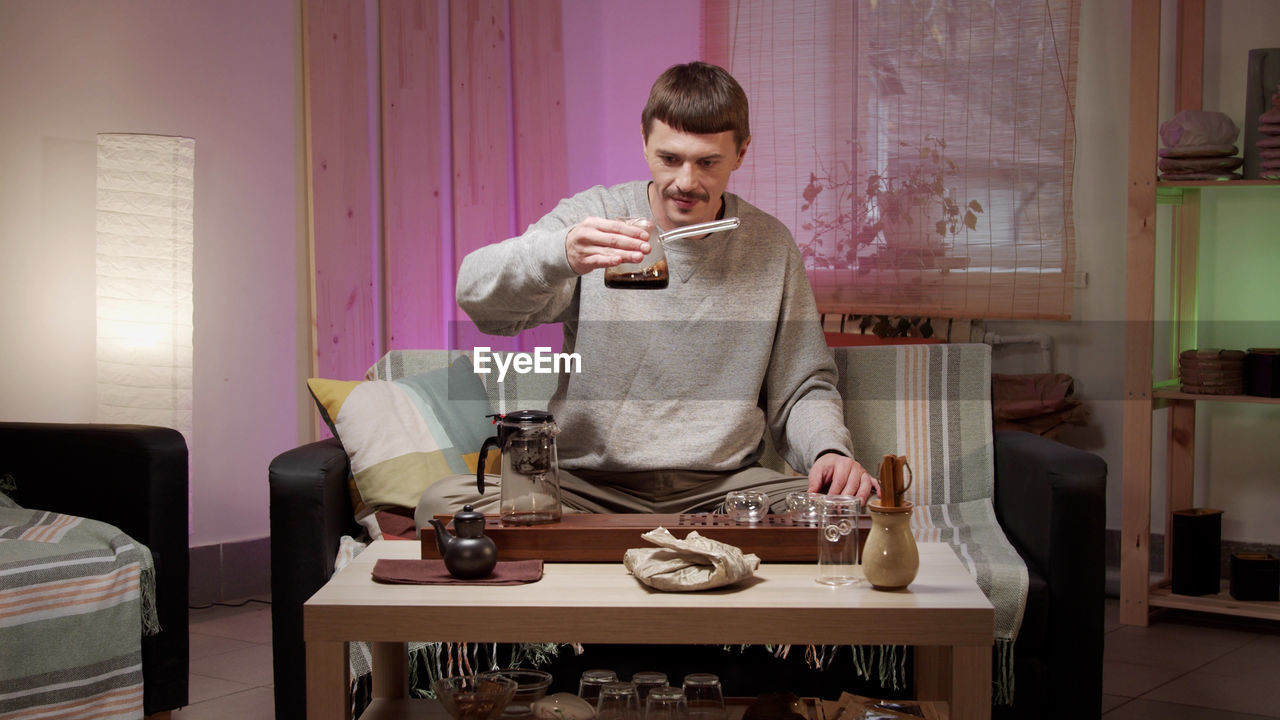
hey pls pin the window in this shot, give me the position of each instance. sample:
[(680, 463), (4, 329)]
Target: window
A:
[(920, 150)]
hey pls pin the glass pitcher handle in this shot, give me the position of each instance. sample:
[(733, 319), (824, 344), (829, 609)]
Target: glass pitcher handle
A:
[(484, 450)]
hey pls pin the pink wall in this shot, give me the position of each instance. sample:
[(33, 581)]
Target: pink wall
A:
[(225, 74), (613, 51)]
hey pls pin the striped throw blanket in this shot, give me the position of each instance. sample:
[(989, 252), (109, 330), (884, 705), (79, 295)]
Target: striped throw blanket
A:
[(76, 596), (932, 404)]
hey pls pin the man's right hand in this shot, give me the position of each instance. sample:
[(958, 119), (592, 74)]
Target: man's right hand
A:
[(601, 243)]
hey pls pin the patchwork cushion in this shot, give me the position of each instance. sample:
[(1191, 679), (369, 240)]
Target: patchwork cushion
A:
[(403, 435)]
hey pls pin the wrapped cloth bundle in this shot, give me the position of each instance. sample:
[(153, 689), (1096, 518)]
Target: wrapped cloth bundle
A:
[(1199, 145), (1198, 127), (694, 563)]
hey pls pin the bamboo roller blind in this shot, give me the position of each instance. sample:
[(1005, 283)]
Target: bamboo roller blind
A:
[(972, 98)]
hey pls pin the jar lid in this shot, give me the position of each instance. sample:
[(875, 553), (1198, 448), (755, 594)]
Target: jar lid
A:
[(525, 417)]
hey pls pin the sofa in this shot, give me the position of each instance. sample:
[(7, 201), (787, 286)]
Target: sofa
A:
[(1048, 499), (135, 478)]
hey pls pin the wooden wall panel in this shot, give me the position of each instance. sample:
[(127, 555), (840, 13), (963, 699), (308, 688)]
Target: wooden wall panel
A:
[(415, 259), (342, 212), (476, 185), (480, 95), (537, 59), (542, 179)]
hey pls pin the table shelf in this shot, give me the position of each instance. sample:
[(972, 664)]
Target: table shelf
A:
[(404, 709), (415, 709)]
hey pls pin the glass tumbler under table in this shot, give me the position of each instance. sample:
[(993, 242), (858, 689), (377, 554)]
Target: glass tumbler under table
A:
[(591, 682), (704, 696), (666, 703), (618, 701)]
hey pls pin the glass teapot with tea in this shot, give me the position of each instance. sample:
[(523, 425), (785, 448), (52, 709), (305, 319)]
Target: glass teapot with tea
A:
[(530, 493), (651, 272)]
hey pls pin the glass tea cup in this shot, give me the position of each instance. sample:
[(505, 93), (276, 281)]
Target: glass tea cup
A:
[(804, 508), (648, 274), (838, 539), (704, 697), (591, 682), (747, 506), (618, 701), (666, 703), (647, 680)]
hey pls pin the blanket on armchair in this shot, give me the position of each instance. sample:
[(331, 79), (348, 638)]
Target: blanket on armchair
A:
[(937, 413), (76, 596)]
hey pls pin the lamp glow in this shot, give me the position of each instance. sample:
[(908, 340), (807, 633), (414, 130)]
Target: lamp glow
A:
[(145, 201)]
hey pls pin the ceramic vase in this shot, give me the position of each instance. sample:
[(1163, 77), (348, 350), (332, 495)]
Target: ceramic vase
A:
[(890, 559)]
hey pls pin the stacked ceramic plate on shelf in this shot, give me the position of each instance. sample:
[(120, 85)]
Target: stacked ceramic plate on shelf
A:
[(1199, 145), (1211, 371), (1269, 141)]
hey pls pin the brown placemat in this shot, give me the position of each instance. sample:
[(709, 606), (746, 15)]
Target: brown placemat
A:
[(432, 572)]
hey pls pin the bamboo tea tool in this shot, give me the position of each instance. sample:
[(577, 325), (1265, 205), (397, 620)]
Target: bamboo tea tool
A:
[(893, 470)]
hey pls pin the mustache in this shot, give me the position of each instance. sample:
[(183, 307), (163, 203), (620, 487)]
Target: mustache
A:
[(677, 195)]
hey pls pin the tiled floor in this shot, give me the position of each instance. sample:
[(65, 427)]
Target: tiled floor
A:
[(1191, 665), (230, 664), (1181, 667)]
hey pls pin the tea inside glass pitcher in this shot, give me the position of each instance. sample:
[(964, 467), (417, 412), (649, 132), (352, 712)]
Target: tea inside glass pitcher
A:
[(530, 480), (530, 493), (651, 272), (648, 274)]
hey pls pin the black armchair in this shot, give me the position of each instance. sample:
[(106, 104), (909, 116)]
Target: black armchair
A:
[(133, 477), (1051, 502), (1050, 499)]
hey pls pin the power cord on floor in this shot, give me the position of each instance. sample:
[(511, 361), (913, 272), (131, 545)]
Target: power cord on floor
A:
[(242, 603)]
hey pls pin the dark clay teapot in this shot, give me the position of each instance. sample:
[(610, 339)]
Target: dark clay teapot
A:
[(469, 555)]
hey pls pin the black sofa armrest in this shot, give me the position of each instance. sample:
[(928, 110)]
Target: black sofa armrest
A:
[(310, 512), (1051, 502), (135, 478)]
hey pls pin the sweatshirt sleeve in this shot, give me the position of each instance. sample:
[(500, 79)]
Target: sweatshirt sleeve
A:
[(803, 405), (525, 281)]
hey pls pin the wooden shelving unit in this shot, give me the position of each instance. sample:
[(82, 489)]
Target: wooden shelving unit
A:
[(1142, 396), (1161, 394)]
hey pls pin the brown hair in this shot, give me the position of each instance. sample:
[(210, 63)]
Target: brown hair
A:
[(698, 98)]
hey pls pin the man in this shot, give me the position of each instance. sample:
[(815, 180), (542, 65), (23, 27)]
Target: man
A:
[(677, 386)]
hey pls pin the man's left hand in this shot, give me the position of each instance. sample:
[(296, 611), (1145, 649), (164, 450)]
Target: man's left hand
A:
[(835, 474)]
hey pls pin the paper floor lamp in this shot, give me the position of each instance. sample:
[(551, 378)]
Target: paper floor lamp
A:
[(144, 248)]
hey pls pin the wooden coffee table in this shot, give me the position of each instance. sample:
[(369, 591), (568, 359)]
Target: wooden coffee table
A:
[(943, 614)]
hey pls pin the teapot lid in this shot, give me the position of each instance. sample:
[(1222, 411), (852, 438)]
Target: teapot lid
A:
[(525, 417), (468, 514)]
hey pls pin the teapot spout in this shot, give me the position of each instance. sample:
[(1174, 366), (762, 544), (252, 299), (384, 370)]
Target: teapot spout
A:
[(443, 538)]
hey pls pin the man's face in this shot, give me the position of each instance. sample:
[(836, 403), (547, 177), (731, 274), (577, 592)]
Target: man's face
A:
[(690, 173)]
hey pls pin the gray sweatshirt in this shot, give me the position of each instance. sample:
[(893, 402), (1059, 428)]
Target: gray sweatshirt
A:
[(687, 377)]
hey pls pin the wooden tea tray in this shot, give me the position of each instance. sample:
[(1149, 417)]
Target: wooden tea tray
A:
[(606, 537)]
